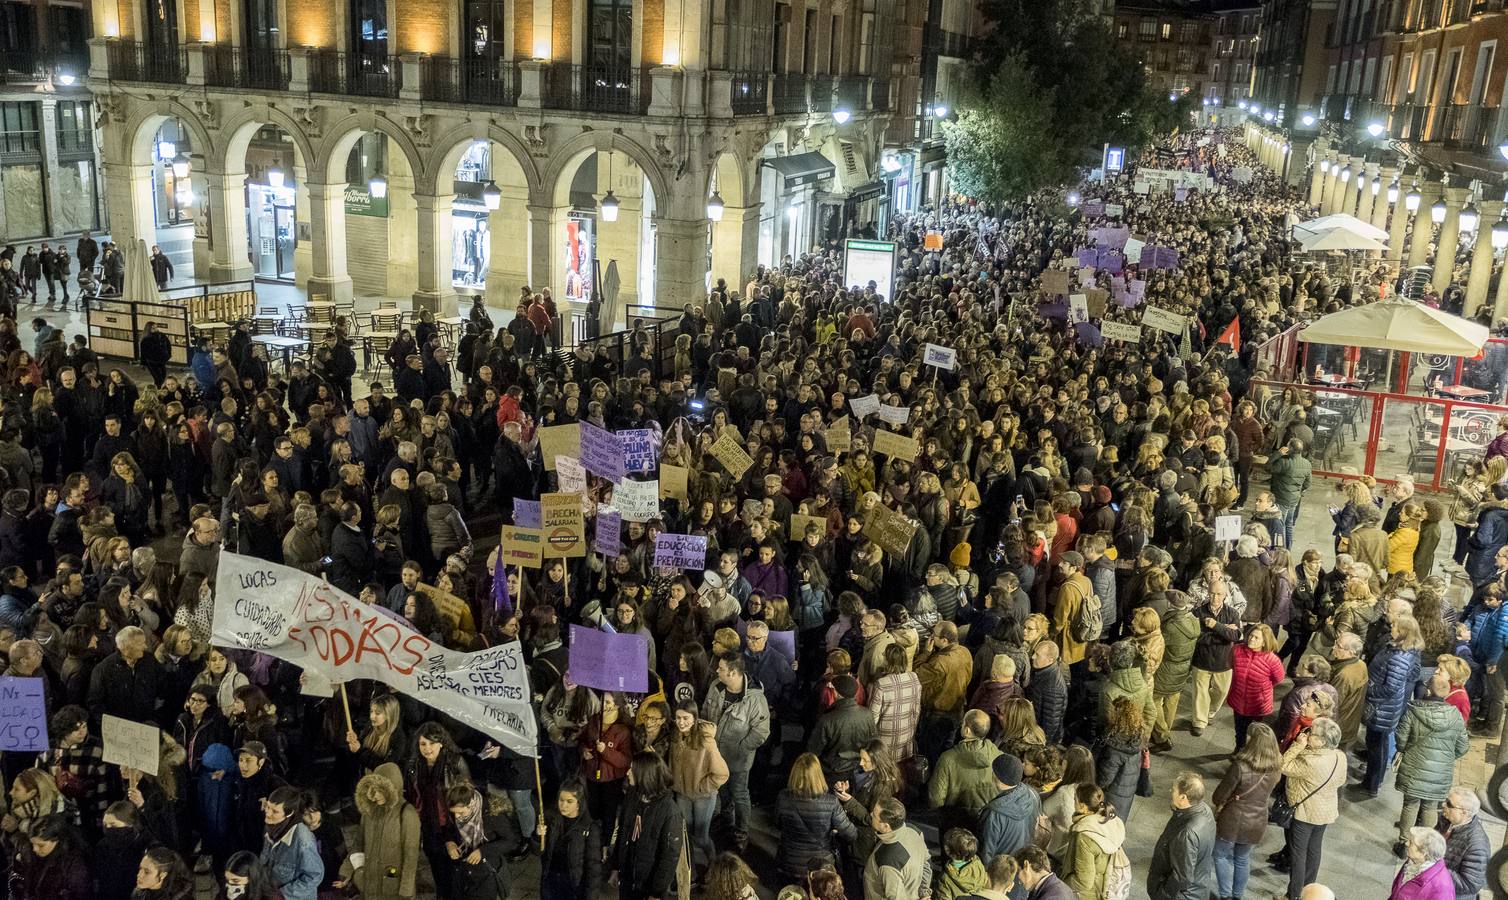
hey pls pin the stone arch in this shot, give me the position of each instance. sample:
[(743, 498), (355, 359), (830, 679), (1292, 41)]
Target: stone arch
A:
[(734, 181), (140, 129), (450, 145), (337, 149), (243, 125), (564, 159)]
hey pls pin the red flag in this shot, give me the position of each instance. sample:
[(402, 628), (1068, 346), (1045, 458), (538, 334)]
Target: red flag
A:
[(1231, 335)]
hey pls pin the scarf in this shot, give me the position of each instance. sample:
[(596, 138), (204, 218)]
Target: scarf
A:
[(277, 832), (473, 834)]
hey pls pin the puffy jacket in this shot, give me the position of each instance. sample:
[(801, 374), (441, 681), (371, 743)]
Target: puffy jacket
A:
[(293, 863), (1009, 821), (945, 675), (1180, 635), (1290, 478), (807, 825), (841, 732), (389, 836), (1432, 884), (1491, 534), (1093, 841), (1254, 674), (649, 844), (1430, 738), (742, 727), (964, 777), (810, 607), (1102, 577), (1240, 801), (1489, 634), (1390, 681), (1133, 684), (1467, 851), (1049, 697), (1118, 768)]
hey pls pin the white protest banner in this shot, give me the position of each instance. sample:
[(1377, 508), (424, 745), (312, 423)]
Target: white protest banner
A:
[(639, 501), (572, 475), (1114, 209), (1133, 249), (942, 357), (1140, 187), (863, 406), (1227, 528), (1078, 308), (1120, 331), (1162, 320), (300, 619), (131, 744), (895, 415)]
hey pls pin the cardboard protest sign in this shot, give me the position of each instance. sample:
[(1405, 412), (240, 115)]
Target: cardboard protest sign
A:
[(1120, 331), (1162, 320), (680, 551), (526, 513), (727, 451), (1096, 298), (839, 438), (891, 530), (894, 415), (559, 440), (609, 661), (1086, 276), (799, 523), (864, 406), (1054, 282), (23, 714), (132, 744), (563, 526), (895, 446), (1140, 187), (674, 482), (523, 547), (933, 241), (601, 452), (638, 501), (638, 450), (1078, 308), (299, 618), (942, 357), (571, 474), (609, 537)]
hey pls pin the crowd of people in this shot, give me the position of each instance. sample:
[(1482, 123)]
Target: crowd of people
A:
[(974, 708)]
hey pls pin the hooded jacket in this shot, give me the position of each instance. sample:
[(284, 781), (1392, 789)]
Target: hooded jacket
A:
[(956, 882), (1130, 683), (388, 835), (699, 770), (1180, 635), (1094, 841), (742, 727), (964, 777), (1431, 736), (1009, 821)]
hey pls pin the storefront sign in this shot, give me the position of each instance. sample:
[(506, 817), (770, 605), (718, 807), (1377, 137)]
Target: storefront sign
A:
[(360, 202)]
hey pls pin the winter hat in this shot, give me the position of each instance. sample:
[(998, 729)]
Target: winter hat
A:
[(960, 555), (1007, 769)]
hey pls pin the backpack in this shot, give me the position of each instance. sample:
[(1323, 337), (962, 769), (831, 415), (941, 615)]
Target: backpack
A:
[(1087, 624), (1117, 876)]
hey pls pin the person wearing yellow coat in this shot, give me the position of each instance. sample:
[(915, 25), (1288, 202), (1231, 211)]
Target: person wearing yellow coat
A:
[(1405, 539)]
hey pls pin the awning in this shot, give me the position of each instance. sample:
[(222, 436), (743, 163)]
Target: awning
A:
[(802, 168), (871, 191)]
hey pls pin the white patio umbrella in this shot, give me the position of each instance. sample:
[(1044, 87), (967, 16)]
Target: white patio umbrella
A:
[(1337, 238), (1398, 324), (139, 285), (1343, 220)]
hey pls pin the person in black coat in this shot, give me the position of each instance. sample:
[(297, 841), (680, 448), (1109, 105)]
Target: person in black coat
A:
[(1047, 691), (13, 545), (516, 477), (477, 840), (1183, 862), (128, 682), (570, 866), (351, 556), (117, 854), (1467, 850), (156, 353), (650, 828), (408, 382)]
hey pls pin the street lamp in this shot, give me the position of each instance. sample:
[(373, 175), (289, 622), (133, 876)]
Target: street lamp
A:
[(1503, 149), (1393, 192), (1375, 129), (492, 196), (1376, 185), (1242, 105), (65, 78), (181, 166), (1073, 198), (1308, 120), (841, 116), (1412, 198), (1345, 174), (1268, 115), (1437, 212), (715, 207), (610, 207), (1500, 232), (276, 178), (378, 187), (1470, 217)]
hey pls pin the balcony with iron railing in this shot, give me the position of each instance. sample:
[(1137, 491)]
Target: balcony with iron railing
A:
[(791, 94), (750, 95), (132, 61), (30, 66), (821, 92), (851, 92), (239, 67), (624, 90), (358, 74), (485, 82), (1468, 126)]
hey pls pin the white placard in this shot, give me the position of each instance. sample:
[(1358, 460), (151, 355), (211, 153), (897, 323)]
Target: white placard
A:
[(313, 684), (1078, 308), (1133, 249), (1227, 528), (895, 415), (1162, 320), (301, 619), (866, 261), (1115, 209), (572, 475), (942, 357), (131, 744), (639, 501), (1140, 187), (1120, 331), (863, 406)]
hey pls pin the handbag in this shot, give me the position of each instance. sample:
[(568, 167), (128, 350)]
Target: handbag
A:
[(1281, 812)]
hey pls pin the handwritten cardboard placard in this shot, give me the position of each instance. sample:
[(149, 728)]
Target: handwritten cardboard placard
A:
[(609, 537), (571, 474), (894, 415), (940, 356), (1120, 331), (23, 714), (601, 452), (131, 744), (895, 446), (1114, 209), (1227, 528), (1162, 320), (800, 522), (526, 513), (731, 454), (864, 406), (522, 547), (563, 525), (891, 530), (674, 482), (559, 440), (1055, 282), (638, 450), (638, 501), (680, 551)]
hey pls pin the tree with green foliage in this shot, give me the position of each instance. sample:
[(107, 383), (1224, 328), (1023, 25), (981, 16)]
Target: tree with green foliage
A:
[(1002, 144)]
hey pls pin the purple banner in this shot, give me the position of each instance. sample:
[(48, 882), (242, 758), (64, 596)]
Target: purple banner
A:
[(1053, 310), (680, 551), (1167, 258), (23, 714), (1114, 238), (609, 537), (1088, 334), (609, 662), (1088, 256), (638, 450), (601, 452), (526, 513), (783, 641), (1094, 208), (1110, 261)]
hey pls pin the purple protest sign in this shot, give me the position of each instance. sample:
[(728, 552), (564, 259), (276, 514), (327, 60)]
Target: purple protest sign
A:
[(1167, 258), (1148, 259), (526, 513), (1088, 334), (1053, 310), (601, 452), (1093, 208), (680, 551), (1114, 238), (783, 641), (1110, 261), (23, 714), (1180, 195), (609, 537), (638, 450), (1088, 256), (609, 662)]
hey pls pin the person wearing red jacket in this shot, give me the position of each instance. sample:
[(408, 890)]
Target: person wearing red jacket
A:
[(606, 750), (1256, 671), (508, 407)]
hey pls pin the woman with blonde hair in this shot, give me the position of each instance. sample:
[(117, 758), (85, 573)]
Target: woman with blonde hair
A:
[(1405, 539), (1019, 731), (1146, 631), (811, 819), (384, 739)]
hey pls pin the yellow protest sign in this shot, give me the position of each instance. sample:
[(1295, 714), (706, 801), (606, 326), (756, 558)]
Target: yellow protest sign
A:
[(839, 438), (727, 451), (891, 530), (674, 482), (563, 526), (521, 547), (559, 440), (895, 446)]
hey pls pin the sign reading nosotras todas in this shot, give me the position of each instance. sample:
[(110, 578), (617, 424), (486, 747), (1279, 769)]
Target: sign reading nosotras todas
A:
[(727, 451), (300, 619), (891, 530), (522, 547), (563, 527), (942, 357), (1120, 331), (1162, 320)]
